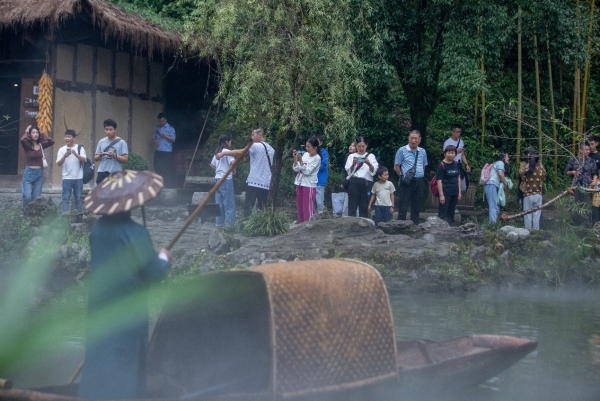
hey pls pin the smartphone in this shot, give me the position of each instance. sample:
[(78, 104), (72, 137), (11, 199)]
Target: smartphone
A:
[(359, 159), (301, 152)]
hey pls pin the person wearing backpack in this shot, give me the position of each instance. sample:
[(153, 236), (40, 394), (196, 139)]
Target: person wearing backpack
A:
[(448, 185), (111, 152), (460, 157), (496, 179), (70, 157)]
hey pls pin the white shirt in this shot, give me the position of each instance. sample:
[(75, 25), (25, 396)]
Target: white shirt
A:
[(460, 144), (222, 165), (307, 171), (363, 171), (260, 165), (72, 167)]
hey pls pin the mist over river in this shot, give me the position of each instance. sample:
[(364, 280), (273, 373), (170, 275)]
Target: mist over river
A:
[(565, 322)]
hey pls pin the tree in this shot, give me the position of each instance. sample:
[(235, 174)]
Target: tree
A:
[(283, 65)]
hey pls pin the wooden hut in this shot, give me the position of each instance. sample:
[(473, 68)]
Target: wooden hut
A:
[(104, 62)]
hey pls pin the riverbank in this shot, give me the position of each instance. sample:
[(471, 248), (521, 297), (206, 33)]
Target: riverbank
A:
[(428, 257)]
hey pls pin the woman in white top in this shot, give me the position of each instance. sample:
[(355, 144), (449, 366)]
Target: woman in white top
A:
[(361, 167), (307, 166), (224, 196)]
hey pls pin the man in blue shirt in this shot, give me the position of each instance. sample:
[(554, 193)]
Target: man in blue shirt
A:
[(163, 137), (322, 175), (411, 192)]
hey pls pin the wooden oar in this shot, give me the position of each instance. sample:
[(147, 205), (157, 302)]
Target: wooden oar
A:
[(210, 194)]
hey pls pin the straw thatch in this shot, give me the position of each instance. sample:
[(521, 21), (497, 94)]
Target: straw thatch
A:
[(112, 21)]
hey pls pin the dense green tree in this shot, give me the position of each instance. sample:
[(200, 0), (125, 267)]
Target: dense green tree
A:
[(284, 65)]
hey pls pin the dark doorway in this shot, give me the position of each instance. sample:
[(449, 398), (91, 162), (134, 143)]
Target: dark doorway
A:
[(10, 97)]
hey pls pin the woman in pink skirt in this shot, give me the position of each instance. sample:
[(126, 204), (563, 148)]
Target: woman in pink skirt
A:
[(307, 164)]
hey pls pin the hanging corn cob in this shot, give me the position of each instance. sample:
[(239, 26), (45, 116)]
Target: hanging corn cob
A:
[(44, 116)]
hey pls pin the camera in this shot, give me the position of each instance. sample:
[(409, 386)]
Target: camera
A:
[(301, 152)]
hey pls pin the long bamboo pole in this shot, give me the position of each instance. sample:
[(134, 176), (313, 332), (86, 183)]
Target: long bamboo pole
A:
[(576, 88), (506, 217), (192, 216), (520, 87), (482, 103), (554, 133), (197, 144), (538, 95)]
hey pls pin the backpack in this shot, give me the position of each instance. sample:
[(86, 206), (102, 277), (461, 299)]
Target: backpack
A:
[(87, 166), (433, 183), (486, 173)]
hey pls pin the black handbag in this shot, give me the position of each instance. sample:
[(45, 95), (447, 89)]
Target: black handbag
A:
[(406, 179)]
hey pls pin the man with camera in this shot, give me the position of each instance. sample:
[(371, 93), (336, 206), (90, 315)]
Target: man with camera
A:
[(409, 164), (71, 158)]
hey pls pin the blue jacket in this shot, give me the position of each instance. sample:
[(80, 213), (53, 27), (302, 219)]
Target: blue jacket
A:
[(323, 173)]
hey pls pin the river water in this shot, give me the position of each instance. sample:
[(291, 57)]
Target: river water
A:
[(566, 323)]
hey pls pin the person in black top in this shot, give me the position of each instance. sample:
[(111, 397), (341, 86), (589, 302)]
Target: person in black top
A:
[(448, 184), (594, 153)]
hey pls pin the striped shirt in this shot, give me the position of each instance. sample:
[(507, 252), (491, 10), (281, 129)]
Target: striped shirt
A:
[(405, 158)]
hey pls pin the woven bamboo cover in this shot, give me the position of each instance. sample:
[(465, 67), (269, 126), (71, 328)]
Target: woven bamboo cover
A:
[(331, 325)]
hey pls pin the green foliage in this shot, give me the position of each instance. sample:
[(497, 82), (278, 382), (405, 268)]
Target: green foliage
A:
[(15, 234), (136, 162), (267, 222)]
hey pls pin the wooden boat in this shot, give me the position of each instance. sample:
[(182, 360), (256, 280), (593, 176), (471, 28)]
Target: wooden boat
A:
[(310, 330)]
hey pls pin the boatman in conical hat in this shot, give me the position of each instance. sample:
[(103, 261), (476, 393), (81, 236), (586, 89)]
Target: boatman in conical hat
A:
[(123, 264)]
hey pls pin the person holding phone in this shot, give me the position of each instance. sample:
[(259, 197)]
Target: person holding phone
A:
[(361, 168), (71, 158), (111, 152), (307, 165), (460, 158)]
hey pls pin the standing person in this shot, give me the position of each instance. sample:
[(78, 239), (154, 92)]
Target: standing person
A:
[(34, 142), (71, 158), (383, 195), (351, 150), (532, 175), (164, 137), (497, 178), (594, 153), (123, 264), (258, 182), (583, 171), (448, 184), (460, 158), (225, 196), (411, 157), (111, 152), (307, 166), (361, 167), (322, 175)]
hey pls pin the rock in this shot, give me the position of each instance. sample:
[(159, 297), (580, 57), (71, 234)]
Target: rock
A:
[(323, 214), (505, 257), (75, 248), (434, 223), (63, 252), (429, 238), (40, 209), (478, 251), (82, 256), (218, 243), (395, 227), (515, 233), (77, 227), (33, 242)]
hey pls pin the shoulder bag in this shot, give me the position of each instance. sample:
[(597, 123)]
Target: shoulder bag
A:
[(409, 175)]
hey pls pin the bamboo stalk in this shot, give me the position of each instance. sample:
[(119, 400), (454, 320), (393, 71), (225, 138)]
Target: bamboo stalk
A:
[(575, 89), (554, 133), (586, 76), (538, 95), (482, 103), (506, 217), (476, 112), (520, 87), (78, 369), (197, 144), (192, 216)]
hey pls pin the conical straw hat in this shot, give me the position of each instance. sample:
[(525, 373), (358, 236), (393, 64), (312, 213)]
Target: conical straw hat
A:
[(123, 191)]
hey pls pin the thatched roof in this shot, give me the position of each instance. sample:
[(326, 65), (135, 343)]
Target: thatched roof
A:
[(112, 21)]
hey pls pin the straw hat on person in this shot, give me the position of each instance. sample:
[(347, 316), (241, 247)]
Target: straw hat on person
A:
[(123, 191)]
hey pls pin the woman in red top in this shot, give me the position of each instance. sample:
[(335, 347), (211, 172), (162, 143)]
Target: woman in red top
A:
[(33, 142)]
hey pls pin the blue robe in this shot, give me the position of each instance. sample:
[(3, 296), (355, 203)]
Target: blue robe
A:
[(123, 263)]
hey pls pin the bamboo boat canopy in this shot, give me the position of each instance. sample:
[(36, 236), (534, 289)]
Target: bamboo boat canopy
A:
[(112, 21)]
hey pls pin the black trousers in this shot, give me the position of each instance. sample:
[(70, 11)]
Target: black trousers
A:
[(253, 195), (164, 165), (358, 196), (412, 194), (446, 211)]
